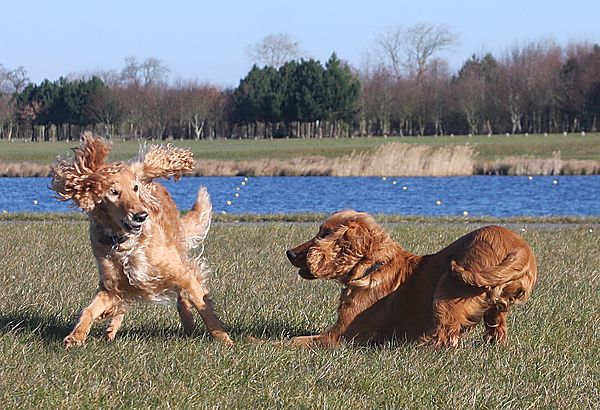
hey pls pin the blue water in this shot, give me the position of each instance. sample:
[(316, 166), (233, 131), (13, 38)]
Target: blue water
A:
[(500, 196)]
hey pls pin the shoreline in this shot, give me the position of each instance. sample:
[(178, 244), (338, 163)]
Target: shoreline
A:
[(321, 166)]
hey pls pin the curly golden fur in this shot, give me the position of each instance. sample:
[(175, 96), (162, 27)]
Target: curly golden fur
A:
[(140, 241), (390, 293)]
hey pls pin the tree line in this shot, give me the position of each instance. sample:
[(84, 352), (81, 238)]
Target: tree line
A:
[(534, 88)]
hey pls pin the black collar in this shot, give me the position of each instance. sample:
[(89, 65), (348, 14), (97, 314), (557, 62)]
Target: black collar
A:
[(113, 240), (371, 269)]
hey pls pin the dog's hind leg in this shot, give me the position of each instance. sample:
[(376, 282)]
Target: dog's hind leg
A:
[(448, 327), (102, 306), (495, 326), (184, 307), (199, 298)]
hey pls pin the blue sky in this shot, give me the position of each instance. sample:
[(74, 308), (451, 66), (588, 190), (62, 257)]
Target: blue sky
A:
[(207, 40)]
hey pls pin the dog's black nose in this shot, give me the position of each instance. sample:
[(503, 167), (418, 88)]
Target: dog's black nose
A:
[(140, 216), (291, 254)]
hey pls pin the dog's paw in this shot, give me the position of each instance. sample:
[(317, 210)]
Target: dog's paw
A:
[(223, 338), (72, 341), (303, 341)]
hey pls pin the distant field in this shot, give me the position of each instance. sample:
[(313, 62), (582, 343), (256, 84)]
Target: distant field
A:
[(47, 275), (572, 146)]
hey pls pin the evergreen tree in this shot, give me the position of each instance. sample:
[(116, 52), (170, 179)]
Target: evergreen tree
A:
[(342, 89)]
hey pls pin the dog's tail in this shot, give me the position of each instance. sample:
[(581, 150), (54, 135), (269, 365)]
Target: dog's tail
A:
[(509, 282), (196, 223), (515, 265)]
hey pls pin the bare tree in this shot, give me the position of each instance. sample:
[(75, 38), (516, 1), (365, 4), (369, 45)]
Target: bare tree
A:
[(423, 41), (198, 100), (131, 73), (7, 116), (13, 81), (3, 79), (275, 50), (111, 77), (414, 48), (106, 106), (391, 44), (148, 73), (153, 72)]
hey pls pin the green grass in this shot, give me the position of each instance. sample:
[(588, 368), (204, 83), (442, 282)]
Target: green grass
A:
[(47, 275), (573, 146)]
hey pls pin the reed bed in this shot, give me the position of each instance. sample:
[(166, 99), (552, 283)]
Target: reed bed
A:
[(538, 166), (23, 169), (392, 159)]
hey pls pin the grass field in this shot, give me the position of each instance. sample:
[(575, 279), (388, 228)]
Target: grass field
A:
[(572, 146), (47, 275)]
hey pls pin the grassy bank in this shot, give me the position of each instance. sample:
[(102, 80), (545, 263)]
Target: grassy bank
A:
[(47, 275), (572, 146), (427, 156)]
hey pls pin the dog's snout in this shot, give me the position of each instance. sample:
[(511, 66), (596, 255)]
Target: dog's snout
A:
[(291, 255), (140, 216)]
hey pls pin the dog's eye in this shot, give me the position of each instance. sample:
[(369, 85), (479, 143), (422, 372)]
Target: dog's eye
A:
[(114, 192), (324, 233), (136, 188)]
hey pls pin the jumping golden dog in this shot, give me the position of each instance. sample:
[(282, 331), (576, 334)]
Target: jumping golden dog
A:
[(140, 241), (390, 293)]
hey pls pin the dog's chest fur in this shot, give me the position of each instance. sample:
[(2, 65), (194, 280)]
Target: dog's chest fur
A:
[(136, 278)]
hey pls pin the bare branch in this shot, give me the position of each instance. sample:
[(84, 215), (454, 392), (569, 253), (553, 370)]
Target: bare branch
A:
[(274, 50)]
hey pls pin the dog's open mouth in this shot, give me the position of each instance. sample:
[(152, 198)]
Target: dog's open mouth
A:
[(132, 226), (306, 274)]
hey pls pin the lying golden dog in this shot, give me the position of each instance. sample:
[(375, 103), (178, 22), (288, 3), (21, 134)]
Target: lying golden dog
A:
[(390, 293), (138, 238)]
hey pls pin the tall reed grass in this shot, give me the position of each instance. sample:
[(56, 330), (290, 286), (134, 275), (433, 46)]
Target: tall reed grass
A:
[(398, 159), (393, 159), (538, 166), (23, 169)]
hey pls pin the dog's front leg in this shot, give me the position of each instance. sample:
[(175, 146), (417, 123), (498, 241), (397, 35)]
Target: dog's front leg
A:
[(115, 322), (101, 306)]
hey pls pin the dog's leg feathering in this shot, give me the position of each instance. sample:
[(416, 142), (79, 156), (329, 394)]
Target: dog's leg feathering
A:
[(114, 325), (198, 296), (102, 306)]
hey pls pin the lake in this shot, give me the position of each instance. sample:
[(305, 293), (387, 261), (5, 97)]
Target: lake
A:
[(499, 196)]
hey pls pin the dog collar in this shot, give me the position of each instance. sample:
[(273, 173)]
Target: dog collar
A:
[(113, 241), (371, 269)]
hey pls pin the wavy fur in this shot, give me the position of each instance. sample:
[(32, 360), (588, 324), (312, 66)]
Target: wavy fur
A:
[(140, 241), (390, 293)]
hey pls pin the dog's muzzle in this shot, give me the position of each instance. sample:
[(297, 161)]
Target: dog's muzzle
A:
[(299, 261), (133, 223)]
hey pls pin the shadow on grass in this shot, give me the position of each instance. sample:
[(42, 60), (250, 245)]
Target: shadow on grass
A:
[(270, 330), (49, 328)]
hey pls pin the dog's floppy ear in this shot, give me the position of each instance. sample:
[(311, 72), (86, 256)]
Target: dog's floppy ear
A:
[(337, 254), (165, 161), (367, 240), (366, 236), (83, 179)]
